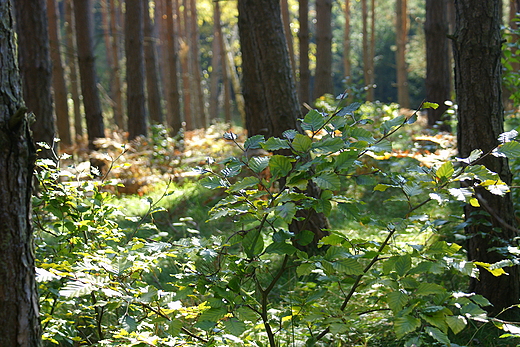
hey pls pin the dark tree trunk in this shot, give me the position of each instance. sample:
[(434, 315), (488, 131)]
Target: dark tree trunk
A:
[(173, 118), (87, 71), (198, 97), (216, 69), (347, 65), (35, 67), (323, 73), (19, 306), (303, 37), (401, 31), (58, 76), (477, 51), (437, 60)]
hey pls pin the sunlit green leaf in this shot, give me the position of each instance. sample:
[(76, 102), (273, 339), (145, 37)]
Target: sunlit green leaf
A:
[(313, 121), (246, 182), (254, 142), (275, 144), (406, 324), (328, 180), (445, 171), (301, 143), (397, 300), (280, 165), (258, 164), (438, 335), (348, 266), (403, 264)]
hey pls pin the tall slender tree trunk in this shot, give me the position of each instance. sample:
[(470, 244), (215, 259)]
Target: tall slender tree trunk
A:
[(437, 60), (199, 102), (71, 61), (234, 78), (35, 67), (303, 40), (477, 51), (347, 65), (225, 79), (153, 90), (115, 87), (58, 76), (134, 50), (372, 52), (401, 23), (173, 118), (323, 73), (87, 70), (19, 301), (365, 48), (216, 69), (286, 19)]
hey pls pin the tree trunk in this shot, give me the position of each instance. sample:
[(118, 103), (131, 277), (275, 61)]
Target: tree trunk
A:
[(115, 87), (173, 118), (58, 76), (366, 49), (401, 31), (134, 51), (216, 69), (286, 19), (235, 80), (87, 70), (347, 65), (323, 73), (477, 52), (153, 95), (372, 52), (303, 37), (186, 64), (198, 97), (19, 303), (71, 61), (35, 67), (225, 79), (437, 60)]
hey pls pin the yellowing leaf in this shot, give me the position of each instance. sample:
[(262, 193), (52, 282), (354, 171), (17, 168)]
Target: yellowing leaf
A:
[(495, 272)]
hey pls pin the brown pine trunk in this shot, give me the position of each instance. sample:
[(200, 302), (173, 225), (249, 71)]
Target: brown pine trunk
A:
[(437, 60), (35, 67), (115, 87), (71, 61), (286, 19), (347, 65), (198, 97), (216, 69), (58, 76), (225, 79), (303, 38), (234, 79), (323, 73), (186, 64), (372, 52), (401, 22), (153, 90), (477, 51), (365, 47), (87, 70), (19, 304), (134, 50), (173, 118)]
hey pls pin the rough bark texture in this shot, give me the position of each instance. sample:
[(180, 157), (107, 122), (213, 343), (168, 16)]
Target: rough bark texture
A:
[(87, 71), (115, 87), (437, 60), (477, 51), (35, 67), (19, 306), (323, 74), (216, 69), (58, 76), (401, 15), (303, 37), (173, 118)]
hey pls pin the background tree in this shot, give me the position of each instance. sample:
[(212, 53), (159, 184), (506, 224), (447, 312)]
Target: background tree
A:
[(438, 69), (303, 39), (18, 292), (134, 50), (323, 73), (173, 115), (35, 67), (347, 65), (87, 70), (401, 22), (477, 50)]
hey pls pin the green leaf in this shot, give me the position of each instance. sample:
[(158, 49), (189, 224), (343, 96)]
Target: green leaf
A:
[(301, 143), (403, 264), (258, 164), (246, 182), (332, 240), (286, 212), (128, 323), (304, 237), (350, 210), (445, 171), (456, 323), (348, 266), (397, 300), (275, 144), (213, 314), (362, 135), (429, 288), (438, 335), (345, 160), (234, 326), (280, 248), (213, 182), (254, 142), (461, 194), (510, 149), (349, 110), (313, 121), (280, 165), (329, 145), (381, 147), (305, 269), (328, 180), (389, 124), (406, 324), (430, 105), (253, 243)]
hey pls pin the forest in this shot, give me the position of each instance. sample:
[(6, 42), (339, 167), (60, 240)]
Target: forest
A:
[(259, 173)]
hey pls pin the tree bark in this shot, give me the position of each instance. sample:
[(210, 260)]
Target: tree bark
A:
[(35, 67), (477, 51), (347, 65), (87, 70), (437, 60), (58, 76), (198, 97), (401, 30), (116, 92), (286, 19), (19, 301), (323, 73), (186, 64), (226, 88), (303, 38), (216, 69), (366, 49), (173, 118)]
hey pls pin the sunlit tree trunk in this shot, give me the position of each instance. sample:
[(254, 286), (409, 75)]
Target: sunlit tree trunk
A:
[(401, 23), (216, 69), (303, 40), (71, 61), (153, 90), (35, 67), (87, 70), (173, 118), (198, 98), (366, 50), (115, 86), (186, 64), (323, 73), (477, 51), (286, 19), (58, 76), (235, 79), (438, 69), (226, 87), (372, 52), (19, 303), (347, 65), (134, 49)]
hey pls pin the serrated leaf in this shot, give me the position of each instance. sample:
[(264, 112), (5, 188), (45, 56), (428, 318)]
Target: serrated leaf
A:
[(329, 145), (362, 135), (429, 289), (348, 266), (510, 149), (286, 212), (397, 300), (275, 144), (213, 182), (76, 289), (280, 248), (405, 325), (280, 165), (389, 124), (254, 142), (301, 143), (313, 121), (332, 240), (381, 147), (349, 109), (350, 210), (344, 160), (258, 164), (304, 237), (438, 335), (456, 323), (246, 182), (474, 155), (403, 264), (253, 243), (128, 323), (234, 326), (213, 314), (460, 194), (445, 171), (328, 180), (289, 134), (305, 269)]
